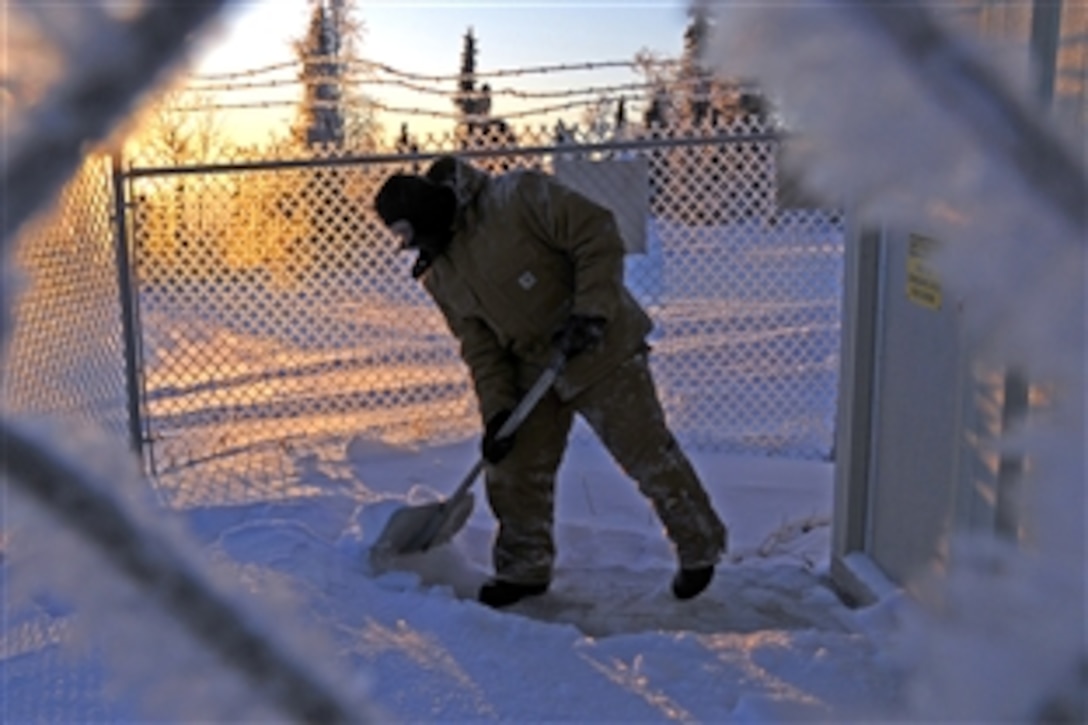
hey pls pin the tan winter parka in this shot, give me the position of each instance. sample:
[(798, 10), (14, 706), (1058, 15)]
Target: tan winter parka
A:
[(526, 253)]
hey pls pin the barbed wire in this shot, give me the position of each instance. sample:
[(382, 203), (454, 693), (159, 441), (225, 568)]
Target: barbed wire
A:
[(508, 72), (229, 75), (359, 75), (634, 105), (375, 105), (596, 92), (371, 65), (633, 93), (510, 92)]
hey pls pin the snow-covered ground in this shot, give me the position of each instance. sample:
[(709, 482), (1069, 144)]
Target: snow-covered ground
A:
[(768, 641), (1001, 638), (299, 430)]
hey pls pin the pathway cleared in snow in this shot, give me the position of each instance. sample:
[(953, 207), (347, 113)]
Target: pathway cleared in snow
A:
[(742, 599)]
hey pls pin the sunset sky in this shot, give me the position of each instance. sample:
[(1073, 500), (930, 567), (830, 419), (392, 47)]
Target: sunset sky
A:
[(425, 37)]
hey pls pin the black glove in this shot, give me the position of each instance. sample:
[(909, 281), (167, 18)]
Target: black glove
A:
[(580, 333), (493, 448)]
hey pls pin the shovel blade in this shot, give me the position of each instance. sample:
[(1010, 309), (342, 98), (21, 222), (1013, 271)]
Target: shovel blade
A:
[(416, 529)]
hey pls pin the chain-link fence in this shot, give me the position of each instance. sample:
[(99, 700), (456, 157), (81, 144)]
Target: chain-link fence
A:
[(276, 317), (67, 269), (277, 313), (64, 358)]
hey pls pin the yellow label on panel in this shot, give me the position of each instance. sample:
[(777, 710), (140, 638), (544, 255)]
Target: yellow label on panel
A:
[(923, 284)]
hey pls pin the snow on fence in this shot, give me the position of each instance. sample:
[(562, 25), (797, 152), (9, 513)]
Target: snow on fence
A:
[(277, 316), (66, 351)]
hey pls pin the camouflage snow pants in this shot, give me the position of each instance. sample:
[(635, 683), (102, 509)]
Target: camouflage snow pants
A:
[(624, 411)]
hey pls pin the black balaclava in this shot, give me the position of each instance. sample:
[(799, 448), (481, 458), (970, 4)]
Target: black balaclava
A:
[(429, 207)]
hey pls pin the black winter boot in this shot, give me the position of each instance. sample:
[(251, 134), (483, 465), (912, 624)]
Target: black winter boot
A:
[(498, 593), (689, 583)]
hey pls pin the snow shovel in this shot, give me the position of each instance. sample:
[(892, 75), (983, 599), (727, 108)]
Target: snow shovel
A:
[(416, 529)]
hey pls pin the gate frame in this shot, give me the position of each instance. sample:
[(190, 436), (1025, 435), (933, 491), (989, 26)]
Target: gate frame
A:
[(130, 319), (142, 427)]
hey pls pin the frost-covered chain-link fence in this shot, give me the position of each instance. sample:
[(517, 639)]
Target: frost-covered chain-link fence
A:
[(66, 352), (276, 312), (65, 359)]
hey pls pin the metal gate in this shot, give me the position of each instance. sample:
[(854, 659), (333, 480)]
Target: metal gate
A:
[(277, 318)]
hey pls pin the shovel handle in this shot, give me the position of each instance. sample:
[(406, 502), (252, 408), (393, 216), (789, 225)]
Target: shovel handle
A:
[(527, 403), (517, 417), (424, 539)]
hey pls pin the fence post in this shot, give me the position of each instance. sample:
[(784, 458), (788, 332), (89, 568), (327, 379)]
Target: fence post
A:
[(1046, 19), (1046, 24), (126, 289)]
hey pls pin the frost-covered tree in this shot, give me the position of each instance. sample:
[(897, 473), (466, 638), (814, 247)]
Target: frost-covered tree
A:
[(321, 113), (181, 128), (470, 102), (181, 229), (686, 96), (688, 92), (476, 127), (335, 116), (696, 81), (332, 111)]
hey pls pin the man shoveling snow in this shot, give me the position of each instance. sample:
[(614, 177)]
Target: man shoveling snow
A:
[(522, 267)]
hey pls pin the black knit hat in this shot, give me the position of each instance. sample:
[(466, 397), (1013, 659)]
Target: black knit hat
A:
[(430, 207), (392, 201)]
